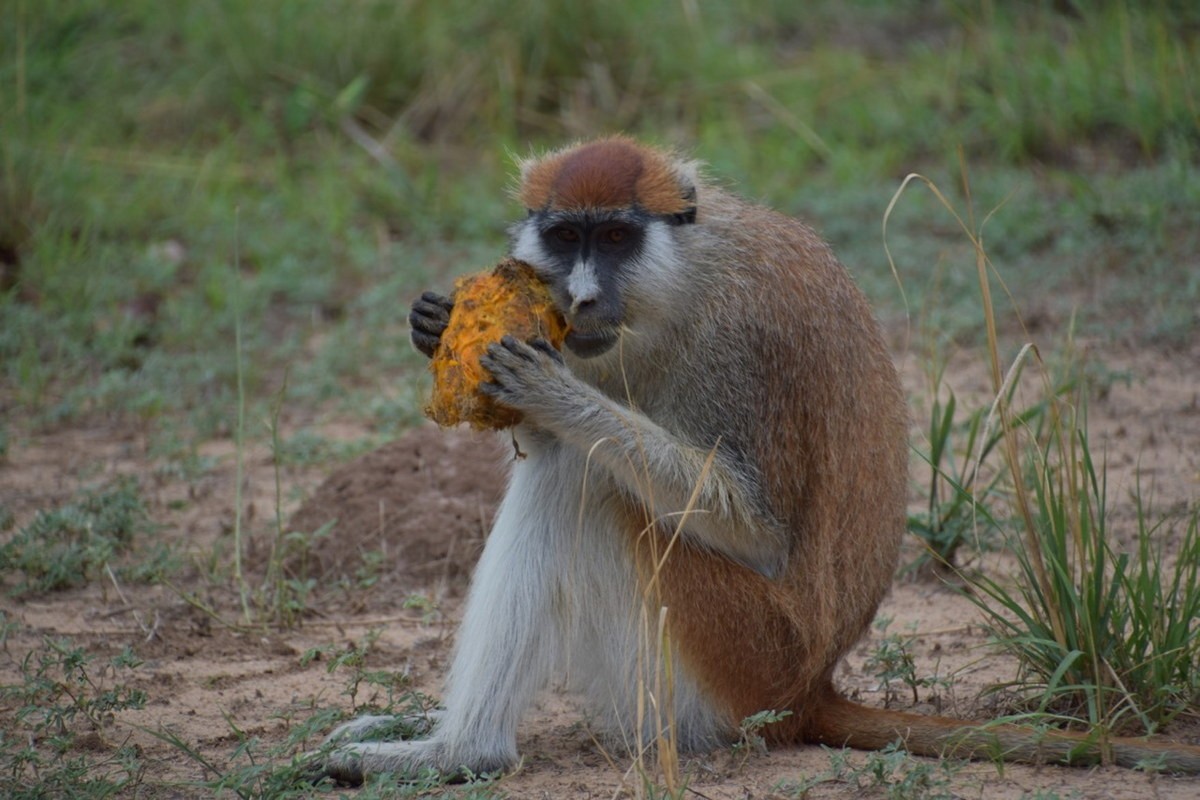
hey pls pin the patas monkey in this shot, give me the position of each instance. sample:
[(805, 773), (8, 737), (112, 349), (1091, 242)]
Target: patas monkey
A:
[(723, 436)]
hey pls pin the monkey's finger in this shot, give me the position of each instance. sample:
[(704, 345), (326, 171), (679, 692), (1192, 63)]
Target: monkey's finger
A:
[(428, 315), (495, 360), (513, 345), (500, 363), (433, 327), (425, 343), (506, 366), (544, 347), (438, 300)]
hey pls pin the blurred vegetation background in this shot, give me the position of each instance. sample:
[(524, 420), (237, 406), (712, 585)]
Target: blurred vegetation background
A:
[(170, 172)]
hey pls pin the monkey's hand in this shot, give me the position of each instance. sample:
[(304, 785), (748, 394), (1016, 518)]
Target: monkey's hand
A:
[(527, 377), (428, 319)]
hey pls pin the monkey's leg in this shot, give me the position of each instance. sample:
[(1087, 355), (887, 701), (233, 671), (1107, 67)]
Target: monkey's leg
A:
[(507, 643)]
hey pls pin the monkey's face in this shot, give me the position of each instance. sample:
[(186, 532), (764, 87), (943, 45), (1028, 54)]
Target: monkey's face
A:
[(588, 259), (601, 231)]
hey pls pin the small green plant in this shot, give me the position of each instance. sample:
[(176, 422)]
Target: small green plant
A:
[(373, 566), (62, 696), (283, 598), (286, 590), (892, 663), (750, 739), (962, 483), (353, 658), (281, 593), (891, 772), (67, 546), (427, 605), (650, 789)]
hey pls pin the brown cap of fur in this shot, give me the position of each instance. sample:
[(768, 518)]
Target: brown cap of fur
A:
[(607, 173)]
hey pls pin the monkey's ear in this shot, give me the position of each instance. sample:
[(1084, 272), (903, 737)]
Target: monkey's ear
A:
[(526, 165), (688, 215), (687, 174)]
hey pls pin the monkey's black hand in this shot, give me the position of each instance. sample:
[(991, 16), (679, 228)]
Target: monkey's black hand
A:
[(428, 319), (528, 377)]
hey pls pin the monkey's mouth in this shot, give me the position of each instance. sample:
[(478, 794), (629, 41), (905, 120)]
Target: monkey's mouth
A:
[(589, 344)]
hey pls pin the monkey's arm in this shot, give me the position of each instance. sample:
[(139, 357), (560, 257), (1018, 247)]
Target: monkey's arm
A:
[(669, 475)]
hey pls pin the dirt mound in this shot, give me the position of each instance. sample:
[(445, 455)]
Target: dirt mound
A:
[(419, 506)]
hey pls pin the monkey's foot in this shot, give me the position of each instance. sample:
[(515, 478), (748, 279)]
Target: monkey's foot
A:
[(423, 761), (407, 761)]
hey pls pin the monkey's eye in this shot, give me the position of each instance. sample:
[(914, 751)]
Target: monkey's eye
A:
[(564, 234), (615, 235)]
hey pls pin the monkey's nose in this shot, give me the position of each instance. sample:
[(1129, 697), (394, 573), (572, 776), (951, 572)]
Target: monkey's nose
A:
[(582, 305)]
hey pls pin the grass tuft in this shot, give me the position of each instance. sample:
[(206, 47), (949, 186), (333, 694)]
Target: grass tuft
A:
[(1104, 635), (69, 545), (1113, 635)]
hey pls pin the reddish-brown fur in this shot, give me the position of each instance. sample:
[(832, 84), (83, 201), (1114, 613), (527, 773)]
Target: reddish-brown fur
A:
[(609, 173), (734, 629)]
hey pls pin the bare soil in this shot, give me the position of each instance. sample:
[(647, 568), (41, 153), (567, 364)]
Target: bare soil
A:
[(409, 521)]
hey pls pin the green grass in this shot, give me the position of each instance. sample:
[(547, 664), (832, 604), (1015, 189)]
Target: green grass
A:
[(750, 741), (1103, 619), (71, 545), (354, 154), (63, 696), (1105, 632), (1105, 627)]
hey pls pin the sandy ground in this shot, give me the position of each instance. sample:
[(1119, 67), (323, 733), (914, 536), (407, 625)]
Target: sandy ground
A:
[(421, 504)]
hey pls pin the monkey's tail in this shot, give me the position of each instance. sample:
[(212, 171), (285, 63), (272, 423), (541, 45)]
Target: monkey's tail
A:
[(838, 722)]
